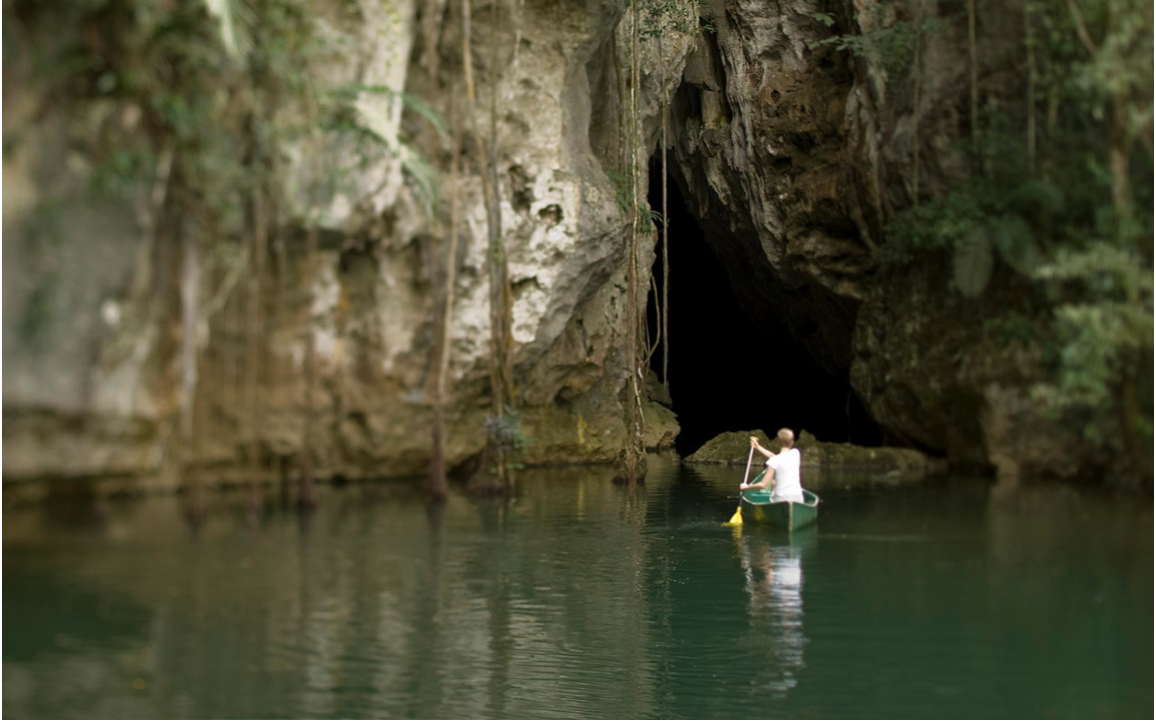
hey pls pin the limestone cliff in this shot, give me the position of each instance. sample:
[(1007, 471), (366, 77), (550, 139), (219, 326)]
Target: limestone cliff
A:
[(95, 389), (792, 155)]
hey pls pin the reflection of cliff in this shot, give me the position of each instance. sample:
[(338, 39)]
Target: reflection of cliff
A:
[(561, 572), (52, 629), (774, 582), (530, 607)]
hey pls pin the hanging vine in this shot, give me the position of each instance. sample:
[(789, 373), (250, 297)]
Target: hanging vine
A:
[(436, 485), (1029, 46), (635, 422), (916, 82), (661, 16), (973, 80), (499, 450), (253, 346), (307, 494), (664, 308)]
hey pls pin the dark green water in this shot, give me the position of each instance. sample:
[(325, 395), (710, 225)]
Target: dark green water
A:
[(583, 599)]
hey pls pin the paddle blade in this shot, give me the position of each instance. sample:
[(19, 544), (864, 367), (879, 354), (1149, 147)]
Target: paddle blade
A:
[(737, 519)]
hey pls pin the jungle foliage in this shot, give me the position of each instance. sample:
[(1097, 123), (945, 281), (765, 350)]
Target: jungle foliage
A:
[(1056, 204), (228, 87)]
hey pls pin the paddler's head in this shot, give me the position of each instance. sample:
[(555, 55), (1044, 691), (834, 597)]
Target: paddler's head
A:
[(786, 438)]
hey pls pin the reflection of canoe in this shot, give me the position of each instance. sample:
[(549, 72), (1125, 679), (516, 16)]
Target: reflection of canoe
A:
[(758, 508)]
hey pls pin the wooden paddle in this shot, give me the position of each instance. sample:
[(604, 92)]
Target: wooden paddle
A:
[(737, 519)]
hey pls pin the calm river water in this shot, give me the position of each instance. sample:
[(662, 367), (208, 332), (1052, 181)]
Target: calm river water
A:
[(947, 598)]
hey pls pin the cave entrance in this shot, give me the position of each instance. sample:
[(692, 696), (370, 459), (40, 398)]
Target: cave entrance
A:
[(731, 370)]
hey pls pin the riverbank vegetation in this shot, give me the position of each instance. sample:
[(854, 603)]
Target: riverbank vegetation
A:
[(1053, 203)]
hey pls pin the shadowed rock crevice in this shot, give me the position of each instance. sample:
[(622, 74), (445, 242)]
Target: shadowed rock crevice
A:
[(734, 363)]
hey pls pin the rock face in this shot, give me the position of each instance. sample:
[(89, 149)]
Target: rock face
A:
[(765, 134), (791, 155), (94, 378), (733, 448), (938, 379), (829, 456)]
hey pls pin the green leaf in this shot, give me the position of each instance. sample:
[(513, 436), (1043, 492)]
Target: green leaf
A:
[(234, 20), (1104, 269), (423, 176), (1036, 196), (972, 263), (411, 102), (825, 18), (1012, 238)]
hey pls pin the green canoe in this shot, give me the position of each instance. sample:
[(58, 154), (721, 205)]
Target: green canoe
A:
[(758, 508)]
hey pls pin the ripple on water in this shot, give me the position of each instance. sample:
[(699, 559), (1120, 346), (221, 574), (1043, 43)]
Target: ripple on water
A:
[(584, 599)]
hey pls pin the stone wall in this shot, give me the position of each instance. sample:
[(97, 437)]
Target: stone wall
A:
[(100, 394), (791, 155)]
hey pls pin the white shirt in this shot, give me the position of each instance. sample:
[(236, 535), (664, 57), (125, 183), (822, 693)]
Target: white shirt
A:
[(786, 466)]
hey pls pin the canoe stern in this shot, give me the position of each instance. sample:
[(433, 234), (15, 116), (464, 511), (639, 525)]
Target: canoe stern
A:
[(757, 508)]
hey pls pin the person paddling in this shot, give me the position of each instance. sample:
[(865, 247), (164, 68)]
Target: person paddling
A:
[(782, 473)]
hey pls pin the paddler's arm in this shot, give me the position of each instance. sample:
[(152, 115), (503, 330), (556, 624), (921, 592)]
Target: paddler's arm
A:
[(759, 447), (768, 479)]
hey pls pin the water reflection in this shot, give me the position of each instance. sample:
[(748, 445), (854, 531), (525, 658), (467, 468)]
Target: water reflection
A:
[(773, 568), (578, 598)]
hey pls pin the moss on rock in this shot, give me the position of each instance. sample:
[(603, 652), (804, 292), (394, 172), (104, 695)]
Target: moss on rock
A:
[(733, 447), (849, 456)]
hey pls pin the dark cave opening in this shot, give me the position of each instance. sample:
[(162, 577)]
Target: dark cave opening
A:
[(732, 371)]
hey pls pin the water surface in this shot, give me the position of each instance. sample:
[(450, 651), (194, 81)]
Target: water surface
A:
[(579, 598)]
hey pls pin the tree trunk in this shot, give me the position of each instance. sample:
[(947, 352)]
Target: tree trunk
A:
[(190, 285), (1029, 43), (1052, 120), (498, 277), (634, 453), (253, 352), (665, 245), (1119, 137), (437, 487), (307, 489), (1118, 157), (196, 509), (973, 81), (917, 83)]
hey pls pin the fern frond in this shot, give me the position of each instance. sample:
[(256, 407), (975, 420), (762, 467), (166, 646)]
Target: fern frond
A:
[(234, 22), (411, 102), (1012, 237), (972, 263), (422, 175)]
